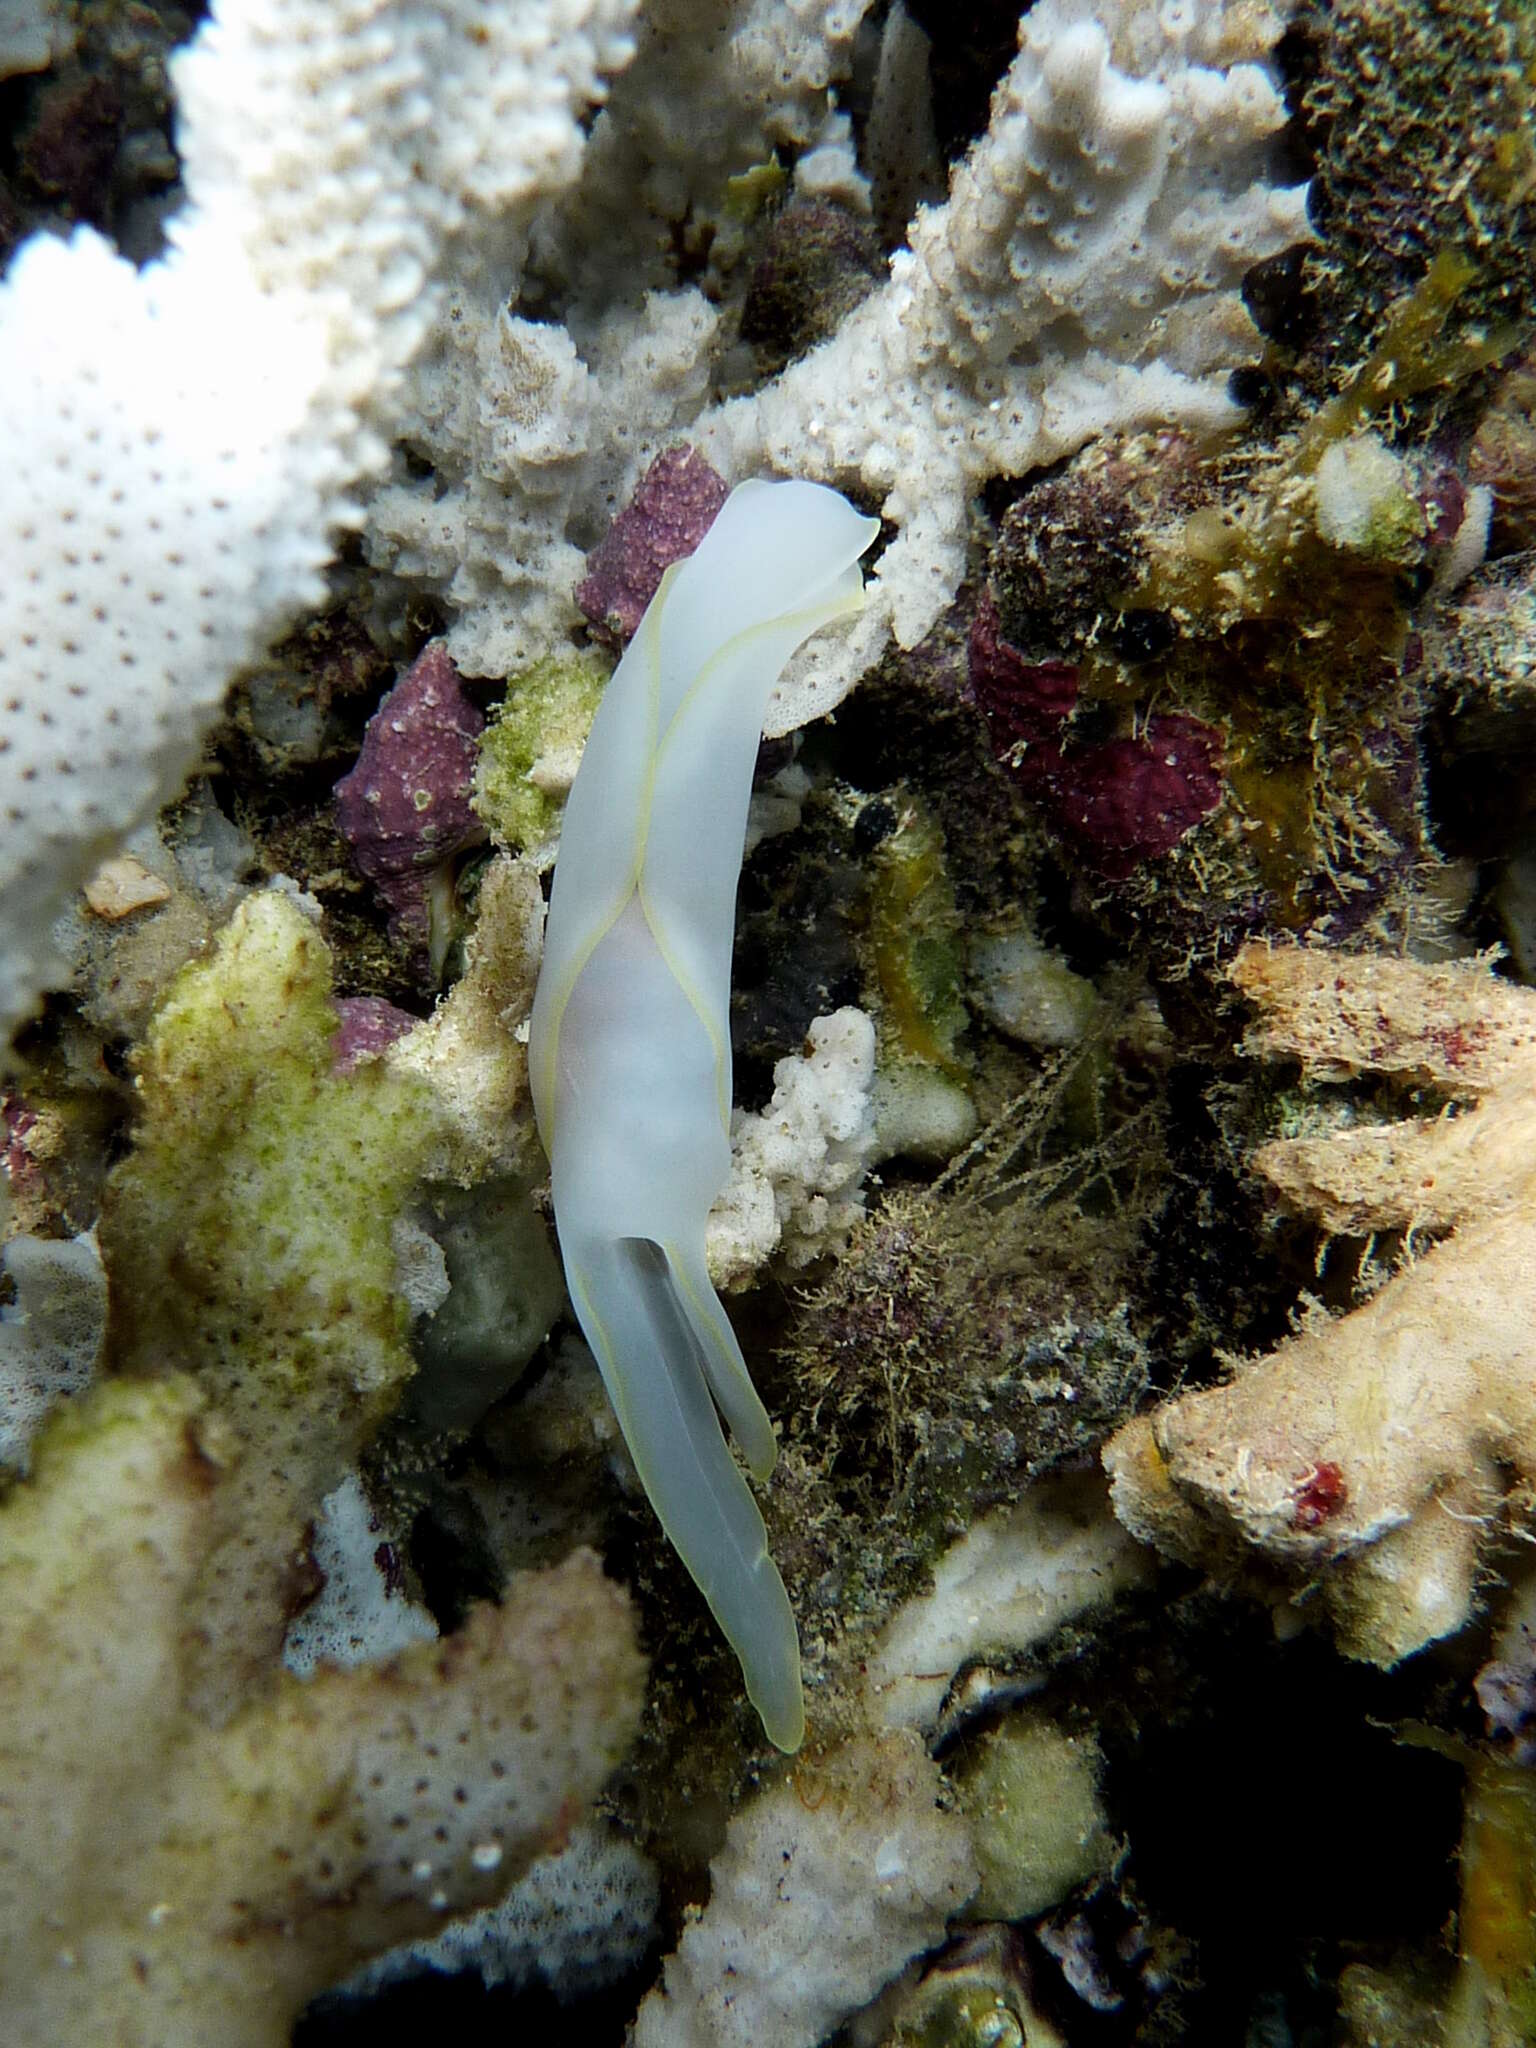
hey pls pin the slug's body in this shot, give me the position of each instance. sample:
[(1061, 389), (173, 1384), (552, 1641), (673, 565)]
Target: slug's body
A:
[(629, 1051)]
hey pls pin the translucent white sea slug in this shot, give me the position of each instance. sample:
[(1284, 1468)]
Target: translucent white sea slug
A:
[(630, 1049)]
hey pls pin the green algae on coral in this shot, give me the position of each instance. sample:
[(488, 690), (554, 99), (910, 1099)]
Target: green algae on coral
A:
[(923, 1104), (1257, 553), (915, 944), (247, 1240), (164, 1883), (531, 745), (1037, 1827), (1493, 2001)]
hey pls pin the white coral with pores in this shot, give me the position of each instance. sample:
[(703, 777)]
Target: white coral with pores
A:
[(1083, 278), (182, 443), (179, 445)]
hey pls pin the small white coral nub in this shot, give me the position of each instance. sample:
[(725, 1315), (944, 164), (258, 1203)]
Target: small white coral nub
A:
[(797, 1167)]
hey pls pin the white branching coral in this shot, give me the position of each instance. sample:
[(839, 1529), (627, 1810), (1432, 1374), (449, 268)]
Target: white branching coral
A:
[(359, 1616), (180, 444), (532, 432), (1082, 278), (580, 1920), (50, 1336), (530, 447)]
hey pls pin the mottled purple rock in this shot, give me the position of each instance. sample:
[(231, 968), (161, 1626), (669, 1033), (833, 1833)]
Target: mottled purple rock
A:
[(672, 510), (1021, 700), (365, 1025), (1072, 1942), (1444, 499), (405, 808), (1127, 800), (1119, 801), (1109, 1955)]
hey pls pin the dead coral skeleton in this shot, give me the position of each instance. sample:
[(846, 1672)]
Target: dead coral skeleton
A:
[(1365, 1462), (194, 1842), (860, 1848), (1081, 278), (166, 1882)]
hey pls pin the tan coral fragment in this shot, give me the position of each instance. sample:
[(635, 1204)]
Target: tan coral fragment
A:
[(122, 885), (470, 1052), (1364, 1458), (166, 1883)]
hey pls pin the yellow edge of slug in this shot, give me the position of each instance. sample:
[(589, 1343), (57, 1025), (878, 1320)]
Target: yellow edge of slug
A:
[(813, 618)]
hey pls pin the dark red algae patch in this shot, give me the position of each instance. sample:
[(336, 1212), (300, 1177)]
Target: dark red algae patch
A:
[(1320, 1493), (1022, 700), (1121, 801), (1126, 801)]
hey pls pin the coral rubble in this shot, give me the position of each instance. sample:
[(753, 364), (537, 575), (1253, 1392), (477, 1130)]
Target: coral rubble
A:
[(866, 1844), (363, 1803), (1123, 1074), (1367, 1459)]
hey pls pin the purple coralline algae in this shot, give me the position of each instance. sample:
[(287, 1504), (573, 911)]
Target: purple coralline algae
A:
[(366, 1025), (1128, 800), (674, 506), (405, 808), (1024, 702), (1119, 801)]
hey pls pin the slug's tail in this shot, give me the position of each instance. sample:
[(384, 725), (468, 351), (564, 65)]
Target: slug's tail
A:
[(652, 1332), (724, 1367)]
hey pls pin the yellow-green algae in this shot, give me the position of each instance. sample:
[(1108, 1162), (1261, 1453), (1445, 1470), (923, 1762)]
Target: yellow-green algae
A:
[(1257, 555), (922, 1101), (247, 1240), (915, 941), (1031, 1794), (1493, 2001), (751, 190), (546, 717)]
